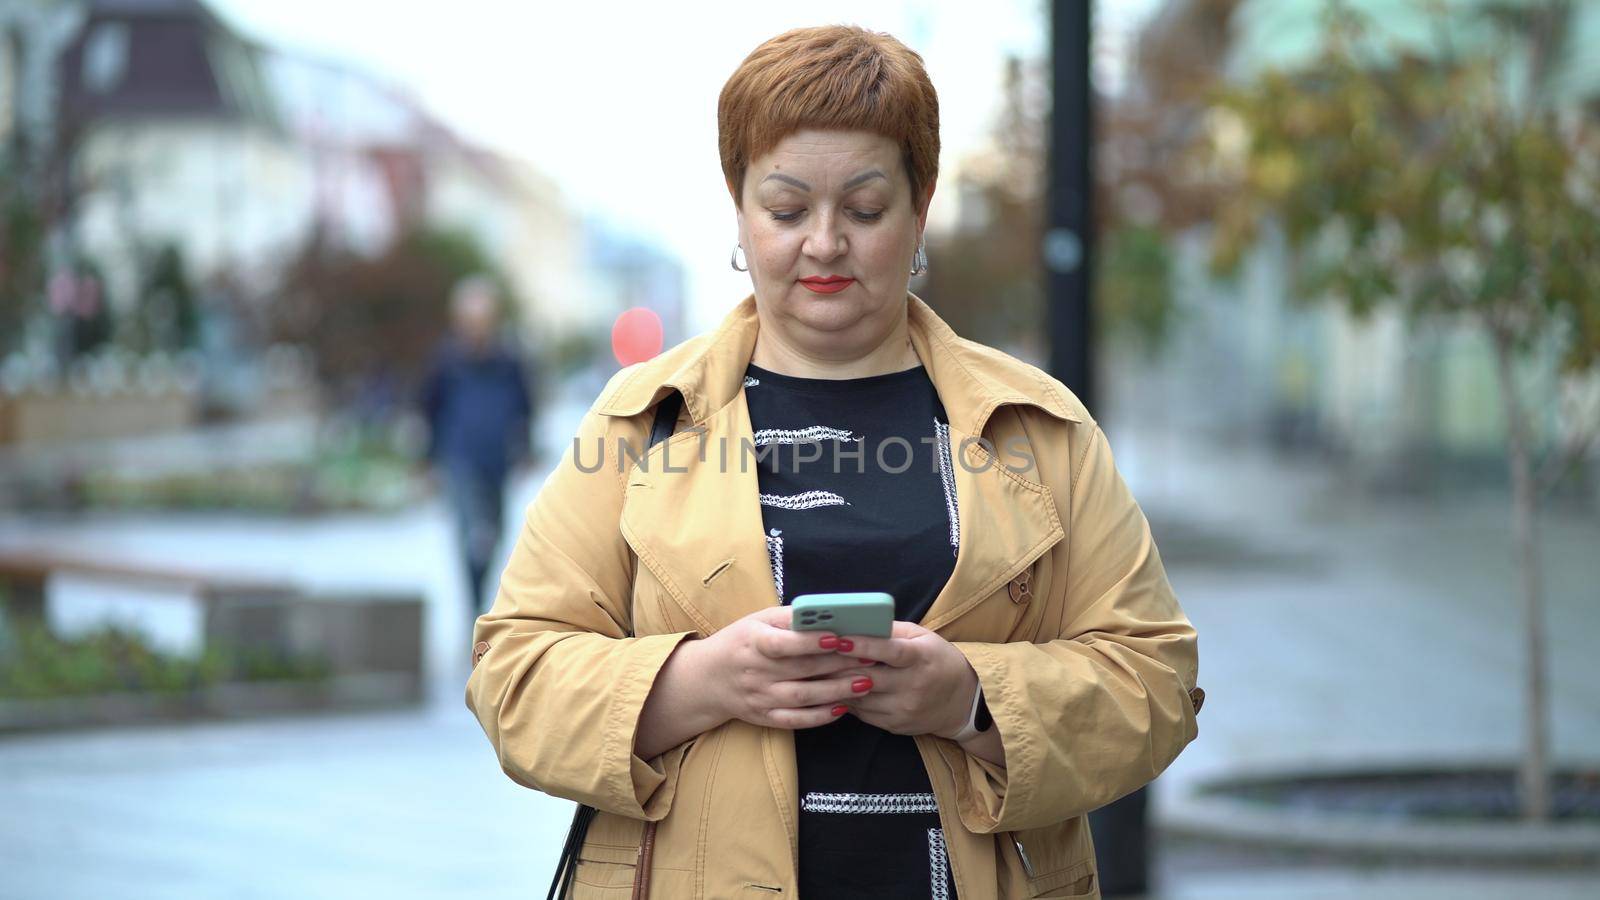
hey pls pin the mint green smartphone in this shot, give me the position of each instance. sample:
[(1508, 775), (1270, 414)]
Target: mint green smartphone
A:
[(869, 613)]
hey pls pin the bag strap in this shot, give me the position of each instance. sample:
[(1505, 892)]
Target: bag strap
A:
[(661, 428), (666, 418), (567, 867)]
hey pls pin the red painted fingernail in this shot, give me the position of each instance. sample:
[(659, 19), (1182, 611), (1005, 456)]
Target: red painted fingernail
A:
[(861, 685), (866, 662), (828, 642), (840, 710), (846, 645)]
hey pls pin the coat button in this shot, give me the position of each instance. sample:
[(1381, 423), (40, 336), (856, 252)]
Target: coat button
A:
[(478, 650), (1020, 587)]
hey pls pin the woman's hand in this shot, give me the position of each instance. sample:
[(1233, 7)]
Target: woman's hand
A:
[(764, 673), (755, 669), (921, 683)]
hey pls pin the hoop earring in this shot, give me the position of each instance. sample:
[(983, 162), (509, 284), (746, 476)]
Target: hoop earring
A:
[(734, 259), (919, 263)]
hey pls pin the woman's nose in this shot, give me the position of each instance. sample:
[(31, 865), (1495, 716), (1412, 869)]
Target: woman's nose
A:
[(825, 241)]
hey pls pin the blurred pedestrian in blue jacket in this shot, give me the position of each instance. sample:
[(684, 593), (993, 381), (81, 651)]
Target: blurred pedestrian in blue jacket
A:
[(479, 410)]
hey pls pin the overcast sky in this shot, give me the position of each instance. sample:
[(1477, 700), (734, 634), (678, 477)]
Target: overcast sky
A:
[(617, 102)]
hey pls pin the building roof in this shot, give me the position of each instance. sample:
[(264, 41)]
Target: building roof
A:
[(161, 57)]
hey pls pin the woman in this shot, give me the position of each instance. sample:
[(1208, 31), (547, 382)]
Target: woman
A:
[(835, 435)]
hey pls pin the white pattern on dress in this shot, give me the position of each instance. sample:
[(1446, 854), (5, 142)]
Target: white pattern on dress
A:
[(938, 860), (803, 500), (808, 435), (751, 381), (775, 556), (869, 803), (947, 476)]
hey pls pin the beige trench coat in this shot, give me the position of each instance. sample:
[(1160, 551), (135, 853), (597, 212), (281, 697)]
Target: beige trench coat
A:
[(1058, 599)]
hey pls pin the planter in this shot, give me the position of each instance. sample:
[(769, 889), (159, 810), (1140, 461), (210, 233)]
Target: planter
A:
[(234, 700), (48, 418), (1439, 814)]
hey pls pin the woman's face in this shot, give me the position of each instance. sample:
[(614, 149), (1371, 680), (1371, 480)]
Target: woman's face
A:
[(830, 204)]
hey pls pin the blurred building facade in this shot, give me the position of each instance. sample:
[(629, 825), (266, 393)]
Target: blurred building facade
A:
[(381, 165), (190, 163), (1398, 398), (176, 138)]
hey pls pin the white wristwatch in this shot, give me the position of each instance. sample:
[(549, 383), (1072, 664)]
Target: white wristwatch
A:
[(978, 719)]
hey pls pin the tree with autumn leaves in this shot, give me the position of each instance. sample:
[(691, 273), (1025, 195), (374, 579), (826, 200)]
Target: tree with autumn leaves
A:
[(1455, 183)]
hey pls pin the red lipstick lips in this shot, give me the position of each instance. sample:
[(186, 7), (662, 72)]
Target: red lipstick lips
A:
[(827, 284)]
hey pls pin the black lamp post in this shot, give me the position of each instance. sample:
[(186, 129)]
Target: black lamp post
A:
[(1119, 828)]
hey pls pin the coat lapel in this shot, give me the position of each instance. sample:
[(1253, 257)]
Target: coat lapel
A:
[(692, 513), (1007, 520), (1006, 523)]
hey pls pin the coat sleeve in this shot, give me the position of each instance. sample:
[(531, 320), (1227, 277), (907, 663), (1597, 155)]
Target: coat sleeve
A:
[(1103, 709), (558, 684)]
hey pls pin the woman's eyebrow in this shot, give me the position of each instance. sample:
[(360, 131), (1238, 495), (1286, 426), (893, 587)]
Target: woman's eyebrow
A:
[(864, 176), (788, 179)]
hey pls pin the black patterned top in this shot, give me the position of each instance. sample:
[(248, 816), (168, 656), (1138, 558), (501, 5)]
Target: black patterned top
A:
[(858, 494)]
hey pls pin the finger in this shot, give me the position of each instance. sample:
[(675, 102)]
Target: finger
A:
[(869, 705), (821, 666), (810, 717), (885, 679), (877, 707), (878, 719), (781, 643), (891, 651), (776, 616), (897, 629), (819, 692)]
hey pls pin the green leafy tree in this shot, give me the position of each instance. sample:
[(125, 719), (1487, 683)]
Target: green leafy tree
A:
[(1442, 183), (22, 231), (1147, 191), (1134, 285), (381, 316), (167, 316)]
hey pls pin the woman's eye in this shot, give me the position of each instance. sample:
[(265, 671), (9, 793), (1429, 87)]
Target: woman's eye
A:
[(860, 215)]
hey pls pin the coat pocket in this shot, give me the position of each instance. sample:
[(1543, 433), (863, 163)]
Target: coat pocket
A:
[(595, 878), (1016, 610), (1054, 861), (1029, 591), (1087, 886), (609, 857)]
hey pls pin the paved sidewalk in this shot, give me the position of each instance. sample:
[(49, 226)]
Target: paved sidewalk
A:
[(395, 806)]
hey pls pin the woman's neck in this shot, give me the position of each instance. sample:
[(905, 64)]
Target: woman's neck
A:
[(893, 354)]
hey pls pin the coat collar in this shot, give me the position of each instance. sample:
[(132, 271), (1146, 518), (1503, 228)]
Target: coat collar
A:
[(691, 508), (972, 380)]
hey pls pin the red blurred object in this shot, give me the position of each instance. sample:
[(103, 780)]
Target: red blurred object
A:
[(636, 336)]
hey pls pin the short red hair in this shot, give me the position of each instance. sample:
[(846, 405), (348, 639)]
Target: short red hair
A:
[(833, 77)]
